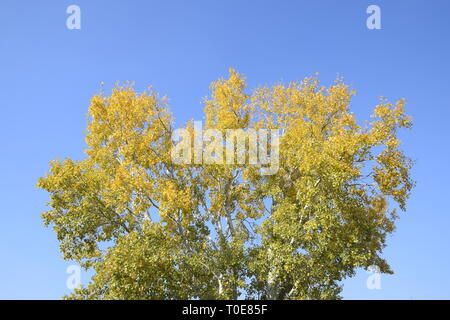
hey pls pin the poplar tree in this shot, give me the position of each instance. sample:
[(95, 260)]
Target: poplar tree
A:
[(154, 229)]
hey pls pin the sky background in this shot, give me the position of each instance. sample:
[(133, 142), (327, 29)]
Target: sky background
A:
[(48, 74)]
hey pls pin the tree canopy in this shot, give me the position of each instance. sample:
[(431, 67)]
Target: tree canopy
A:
[(151, 228)]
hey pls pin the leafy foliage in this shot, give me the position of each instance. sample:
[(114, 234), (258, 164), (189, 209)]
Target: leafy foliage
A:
[(152, 229)]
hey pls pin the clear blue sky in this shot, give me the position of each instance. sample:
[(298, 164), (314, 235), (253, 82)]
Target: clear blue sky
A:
[(48, 73)]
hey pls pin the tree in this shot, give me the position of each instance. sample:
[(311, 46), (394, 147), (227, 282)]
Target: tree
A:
[(155, 229)]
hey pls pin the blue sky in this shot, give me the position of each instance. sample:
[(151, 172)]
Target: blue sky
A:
[(48, 73)]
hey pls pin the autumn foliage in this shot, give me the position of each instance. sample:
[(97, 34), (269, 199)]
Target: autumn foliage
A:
[(153, 229)]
